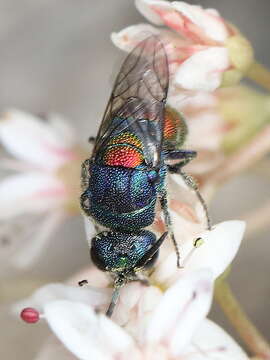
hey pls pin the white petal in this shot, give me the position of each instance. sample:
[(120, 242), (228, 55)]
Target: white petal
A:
[(95, 277), (56, 291), (150, 299), (219, 248), (54, 349), (135, 305), (24, 239), (192, 101), (130, 294), (131, 36), (212, 25), (30, 192), (205, 131), (203, 70), (181, 310), (85, 334), (90, 230), (62, 129), (211, 342), (33, 140), (144, 6)]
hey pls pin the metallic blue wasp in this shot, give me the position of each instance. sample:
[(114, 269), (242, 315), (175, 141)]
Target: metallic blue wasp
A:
[(126, 174)]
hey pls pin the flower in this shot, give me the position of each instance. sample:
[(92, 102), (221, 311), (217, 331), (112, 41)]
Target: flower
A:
[(220, 123), (161, 319), (171, 325), (222, 345), (44, 189), (204, 50)]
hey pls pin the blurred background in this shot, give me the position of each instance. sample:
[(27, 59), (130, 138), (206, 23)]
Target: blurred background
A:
[(57, 56)]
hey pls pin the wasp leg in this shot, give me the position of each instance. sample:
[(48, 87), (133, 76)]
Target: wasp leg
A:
[(168, 223), (193, 185), (184, 155), (84, 202), (85, 174), (190, 182), (115, 297), (141, 278)]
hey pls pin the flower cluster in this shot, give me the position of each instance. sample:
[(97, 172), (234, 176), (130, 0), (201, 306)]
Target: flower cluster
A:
[(206, 55), (39, 191), (204, 50), (163, 320), (170, 326), (166, 319)]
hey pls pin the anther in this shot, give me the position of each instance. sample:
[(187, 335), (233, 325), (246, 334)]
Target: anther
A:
[(197, 243), (30, 315)]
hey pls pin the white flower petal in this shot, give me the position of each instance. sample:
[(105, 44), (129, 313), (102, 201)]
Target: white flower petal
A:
[(212, 25), (30, 192), (205, 131), (150, 299), (181, 310), (211, 342), (54, 350), (33, 140), (94, 276), (24, 239), (219, 248), (90, 230), (63, 130), (135, 306), (144, 6), (128, 38), (130, 294), (56, 291), (203, 70), (192, 101), (85, 334)]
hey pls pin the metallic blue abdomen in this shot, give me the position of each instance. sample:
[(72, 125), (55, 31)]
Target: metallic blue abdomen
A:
[(121, 198)]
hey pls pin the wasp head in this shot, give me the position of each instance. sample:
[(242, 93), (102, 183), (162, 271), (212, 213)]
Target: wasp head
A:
[(125, 253)]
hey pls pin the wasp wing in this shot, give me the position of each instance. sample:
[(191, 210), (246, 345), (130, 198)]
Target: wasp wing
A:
[(138, 99)]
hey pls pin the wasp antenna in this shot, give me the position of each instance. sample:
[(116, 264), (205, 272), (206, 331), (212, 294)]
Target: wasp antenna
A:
[(205, 208), (193, 185), (115, 296)]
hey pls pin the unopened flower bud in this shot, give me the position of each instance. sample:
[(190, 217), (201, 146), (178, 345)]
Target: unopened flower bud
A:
[(241, 58)]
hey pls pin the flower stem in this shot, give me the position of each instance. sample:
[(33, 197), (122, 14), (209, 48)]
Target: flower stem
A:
[(259, 74), (254, 340)]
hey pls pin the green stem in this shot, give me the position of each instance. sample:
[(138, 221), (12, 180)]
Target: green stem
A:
[(253, 339), (259, 74)]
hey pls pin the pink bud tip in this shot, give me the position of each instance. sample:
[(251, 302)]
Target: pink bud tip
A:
[(30, 315)]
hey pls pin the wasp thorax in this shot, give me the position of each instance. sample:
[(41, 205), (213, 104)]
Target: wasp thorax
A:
[(121, 252)]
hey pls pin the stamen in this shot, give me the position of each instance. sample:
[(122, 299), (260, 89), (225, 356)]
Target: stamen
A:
[(30, 315), (197, 243)]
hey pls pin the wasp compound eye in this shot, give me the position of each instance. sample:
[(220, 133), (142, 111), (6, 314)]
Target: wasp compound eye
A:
[(120, 252)]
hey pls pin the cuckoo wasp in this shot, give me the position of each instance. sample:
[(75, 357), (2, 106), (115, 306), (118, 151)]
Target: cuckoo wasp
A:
[(126, 174)]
